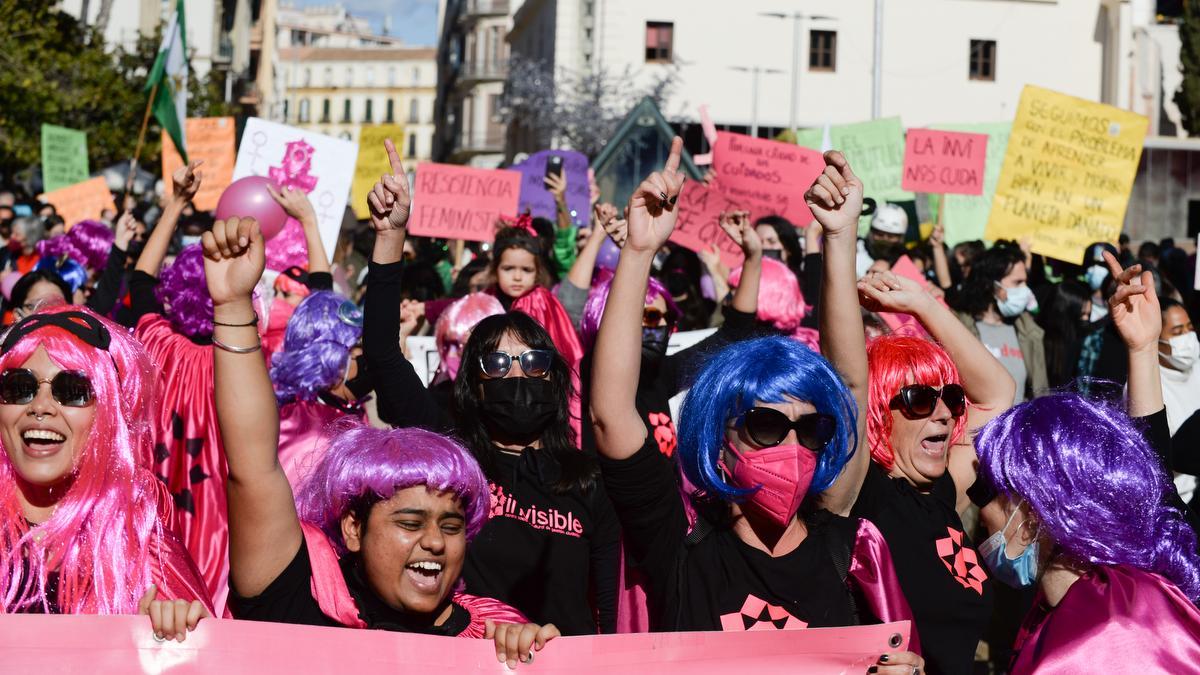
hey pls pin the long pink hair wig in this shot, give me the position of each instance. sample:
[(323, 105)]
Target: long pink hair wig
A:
[(454, 326)]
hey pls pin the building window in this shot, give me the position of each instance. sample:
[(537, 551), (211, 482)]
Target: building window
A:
[(390, 114), (416, 76), (286, 110), (368, 113), (983, 60), (822, 50), (329, 77), (412, 146), (494, 107), (346, 110), (349, 76), (391, 76), (659, 36), (370, 76), (325, 104), (413, 115), (307, 77), (303, 110)]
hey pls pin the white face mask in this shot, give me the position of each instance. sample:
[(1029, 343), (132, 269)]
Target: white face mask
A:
[(1099, 311), (1017, 300), (1185, 349)]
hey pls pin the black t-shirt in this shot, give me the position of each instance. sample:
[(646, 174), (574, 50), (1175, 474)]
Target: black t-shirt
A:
[(553, 556), (940, 571), (289, 599), (720, 582)]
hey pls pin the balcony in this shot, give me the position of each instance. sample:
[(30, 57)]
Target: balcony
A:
[(483, 71), (481, 142), (473, 9)]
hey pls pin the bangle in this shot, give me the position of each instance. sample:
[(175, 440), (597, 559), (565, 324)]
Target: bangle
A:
[(236, 350), (237, 325)]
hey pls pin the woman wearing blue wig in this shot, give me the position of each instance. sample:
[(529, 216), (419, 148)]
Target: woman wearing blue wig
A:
[(766, 424)]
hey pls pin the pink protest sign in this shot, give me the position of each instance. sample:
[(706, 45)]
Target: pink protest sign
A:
[(124, 644), (766, 177), (907, 324), (460, 202), (944, 162), (697, 229)]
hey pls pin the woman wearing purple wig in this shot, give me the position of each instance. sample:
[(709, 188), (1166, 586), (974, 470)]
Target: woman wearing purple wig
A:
[(1078, 502)]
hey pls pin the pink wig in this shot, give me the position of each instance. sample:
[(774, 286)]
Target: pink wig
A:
[(454, 326), (286, 284), (895, 361), (87, 243), (780, 301), (99, 536)]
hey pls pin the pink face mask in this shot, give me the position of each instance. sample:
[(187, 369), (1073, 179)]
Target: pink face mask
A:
[(782, 475)]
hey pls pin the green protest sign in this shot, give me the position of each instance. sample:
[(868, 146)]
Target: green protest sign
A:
[(64, 157), (875, 150), (810, 138), (964, 216)]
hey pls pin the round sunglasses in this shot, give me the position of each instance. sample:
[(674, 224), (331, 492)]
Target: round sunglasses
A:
[(534, 363), (72, 388), (917, 401), (767, 428)]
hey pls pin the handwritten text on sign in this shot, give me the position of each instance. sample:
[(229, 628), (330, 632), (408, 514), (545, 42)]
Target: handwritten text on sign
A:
[(698, 228), (64, 157), (766, 177), (1067, 174), (944, 162), (81, 201), (459, 202)]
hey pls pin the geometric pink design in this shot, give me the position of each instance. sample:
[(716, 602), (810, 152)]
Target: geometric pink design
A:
[(758, 614), (960, 561)]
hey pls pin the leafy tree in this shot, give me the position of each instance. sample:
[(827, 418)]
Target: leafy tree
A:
[(1188, 96)]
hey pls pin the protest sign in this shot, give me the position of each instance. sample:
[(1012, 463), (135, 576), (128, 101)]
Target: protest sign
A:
[(536, 198), (907, 324), (81, 201), (1067, 174), (811, 138), (82, 643), (944, 162), (212, 140), (965, 216), (423, 355), (321, 166), (876, 153), (698, 229), (460, 202), (372, 163), (64, 157), (765, 177)]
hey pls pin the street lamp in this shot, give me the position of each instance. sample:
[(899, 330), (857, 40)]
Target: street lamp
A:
[(797, 19), (756, 71)]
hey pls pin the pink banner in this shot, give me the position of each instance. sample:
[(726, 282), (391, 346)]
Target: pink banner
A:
[(944, 162), (698, 229), (459, 202), (766, 177), (124, 644)]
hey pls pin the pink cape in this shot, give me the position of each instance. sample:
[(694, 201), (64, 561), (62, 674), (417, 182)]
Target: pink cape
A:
[(1115, 619), (548, 311), (188, 454), (173, 572), (329, 589), (304, 436)]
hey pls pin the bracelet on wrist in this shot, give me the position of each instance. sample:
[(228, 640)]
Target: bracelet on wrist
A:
[(253, 322), (236, 350)]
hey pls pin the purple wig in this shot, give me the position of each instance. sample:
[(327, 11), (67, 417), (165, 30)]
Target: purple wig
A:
[(593, 309), (780, 302), (316, 348), (1094, 482), (183, 293), (364, 463), (87, 243)]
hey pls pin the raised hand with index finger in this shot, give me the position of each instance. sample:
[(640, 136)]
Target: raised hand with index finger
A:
[(1134, 306), (186, 180), (390, 200), (654, 208)]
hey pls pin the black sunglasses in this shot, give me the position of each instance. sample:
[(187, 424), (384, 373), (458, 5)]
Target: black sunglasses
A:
[(916, 401), (768, 427), (19, 386), (534, 363)]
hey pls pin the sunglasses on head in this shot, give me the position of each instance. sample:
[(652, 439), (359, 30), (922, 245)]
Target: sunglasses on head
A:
[(653, 317), (920, 400), (534, 363), (19, 386), (767, 428)]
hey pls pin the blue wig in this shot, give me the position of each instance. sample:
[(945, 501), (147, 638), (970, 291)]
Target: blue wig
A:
[(764, 370), (316, 348), (72, 272)]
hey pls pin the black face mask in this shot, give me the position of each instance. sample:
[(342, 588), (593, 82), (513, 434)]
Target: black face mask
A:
[(361, 385), (884, 250), (654, 344), (518, 407), (773, 254)]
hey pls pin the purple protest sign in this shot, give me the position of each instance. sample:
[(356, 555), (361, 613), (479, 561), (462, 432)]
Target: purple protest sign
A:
[(538, 200)]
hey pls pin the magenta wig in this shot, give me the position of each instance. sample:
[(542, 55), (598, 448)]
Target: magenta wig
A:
[(316, 348), (593, 309), (1094, 483), (183, 293), (98, 538), (364, 466), (780, 302), (454, 326), (896, 361), (87, 243)]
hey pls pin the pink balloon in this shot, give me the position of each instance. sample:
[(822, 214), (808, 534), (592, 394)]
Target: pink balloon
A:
[(248, 197), (609, 255)]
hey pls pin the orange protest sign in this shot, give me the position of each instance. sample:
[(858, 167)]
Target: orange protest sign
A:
[(459, 202), (81, 201), (212, 140)]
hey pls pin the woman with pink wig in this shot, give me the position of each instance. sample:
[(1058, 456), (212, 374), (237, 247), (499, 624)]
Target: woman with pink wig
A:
[(450, 333)]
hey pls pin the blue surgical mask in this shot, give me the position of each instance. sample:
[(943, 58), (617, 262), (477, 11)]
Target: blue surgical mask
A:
[(1096, 274), (1019, 572), (186, 240), (1016, 300)]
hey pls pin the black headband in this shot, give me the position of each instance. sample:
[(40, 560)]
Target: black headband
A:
[(83, 326)]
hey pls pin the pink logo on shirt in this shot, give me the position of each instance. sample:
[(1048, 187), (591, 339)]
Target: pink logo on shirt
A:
[(550, 520), (961, 561), (758, 614)]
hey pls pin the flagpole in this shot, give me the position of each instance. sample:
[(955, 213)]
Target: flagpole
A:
[(140, 141)]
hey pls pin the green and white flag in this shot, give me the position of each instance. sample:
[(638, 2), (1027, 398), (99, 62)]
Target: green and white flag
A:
[(170, 74)]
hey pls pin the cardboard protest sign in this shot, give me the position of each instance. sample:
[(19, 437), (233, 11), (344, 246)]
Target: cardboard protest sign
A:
[(372, 163), (536, 198), (64, 157), (966, 216), (944, 162), (875, 150), (461, 202), (81, 201), (766, 177), (211, 139), (698, 229), (907, 324), (319, 165), (1067, 174)]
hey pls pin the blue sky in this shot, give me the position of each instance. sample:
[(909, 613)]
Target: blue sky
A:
[(415, 21)]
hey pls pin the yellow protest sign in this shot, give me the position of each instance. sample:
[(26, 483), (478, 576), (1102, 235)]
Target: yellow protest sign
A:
[(372, 162), (212, 140), (81, 201), (1067, 173)]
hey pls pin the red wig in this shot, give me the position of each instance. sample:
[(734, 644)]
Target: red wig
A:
[(895, 361)]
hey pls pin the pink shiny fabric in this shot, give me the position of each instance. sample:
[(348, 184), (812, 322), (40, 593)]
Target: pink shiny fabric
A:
[(189, 456), (329, 588), (875, 578), (548, 311), (1113, 619), (173, 571), (304, 434)]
